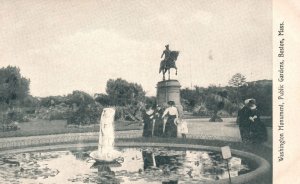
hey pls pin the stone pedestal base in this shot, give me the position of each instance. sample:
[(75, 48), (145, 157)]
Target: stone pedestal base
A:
[(169, 90)]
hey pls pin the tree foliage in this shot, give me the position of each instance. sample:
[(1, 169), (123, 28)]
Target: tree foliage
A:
[(213, 98), (261, 91), (122, 93), (237, 80), (103, 99), (84, 109), (79, 98), (13, 87), (52, 100)]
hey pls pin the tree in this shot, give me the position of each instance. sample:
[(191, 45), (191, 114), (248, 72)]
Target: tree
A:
[(79, 98), (84, 109), (103, 99), (123, 93), (30, 101), (261, 91), (129, 98), (53, 100), (215, 103), (13, 87), (188, 98), (237, 80)]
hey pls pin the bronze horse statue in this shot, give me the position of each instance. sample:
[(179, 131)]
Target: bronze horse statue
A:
[(168, 63)]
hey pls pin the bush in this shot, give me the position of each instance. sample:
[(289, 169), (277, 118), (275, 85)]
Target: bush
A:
[(223, 114), (3, 107), (130, 112), (85, 115), (15, 115), (201, 110), (57, 112), (119, 115)]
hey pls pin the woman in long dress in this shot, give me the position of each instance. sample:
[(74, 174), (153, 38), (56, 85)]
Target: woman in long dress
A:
[(258, 131), (171, 126), (243, 120), (159, 123), (148, 121)]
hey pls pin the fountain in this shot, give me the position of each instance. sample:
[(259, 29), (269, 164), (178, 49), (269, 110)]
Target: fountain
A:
[(141, 162), (106, 151)]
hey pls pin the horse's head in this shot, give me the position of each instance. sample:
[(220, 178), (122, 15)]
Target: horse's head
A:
[(174, 55)]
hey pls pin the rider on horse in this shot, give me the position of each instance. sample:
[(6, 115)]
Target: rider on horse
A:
[(169, 61), (166, 52)]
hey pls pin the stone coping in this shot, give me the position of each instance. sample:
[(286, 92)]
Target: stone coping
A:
[(21, 142), (262, 165)]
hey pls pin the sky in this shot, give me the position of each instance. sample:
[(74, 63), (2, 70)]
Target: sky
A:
[(66, 45)]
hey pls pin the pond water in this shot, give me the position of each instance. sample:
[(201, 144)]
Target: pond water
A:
[(137, 165)]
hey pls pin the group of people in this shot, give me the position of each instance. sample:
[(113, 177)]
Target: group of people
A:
[(160, 122), (251, 128), (168, 122)]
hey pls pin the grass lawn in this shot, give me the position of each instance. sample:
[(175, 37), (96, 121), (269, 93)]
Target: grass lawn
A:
[(46, 127)]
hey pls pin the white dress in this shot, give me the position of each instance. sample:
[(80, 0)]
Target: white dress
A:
[(182, 127)]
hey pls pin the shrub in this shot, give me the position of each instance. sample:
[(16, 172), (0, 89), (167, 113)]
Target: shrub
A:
[(57, 112), (15, 115), (85, 115)]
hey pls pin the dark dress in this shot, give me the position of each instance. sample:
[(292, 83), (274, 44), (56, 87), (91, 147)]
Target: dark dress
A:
[(171, 128), (159, 124), (244, 123), (258, 131), (148, 123)]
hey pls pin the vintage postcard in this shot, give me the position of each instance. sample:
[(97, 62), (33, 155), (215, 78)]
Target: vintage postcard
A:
[(140, 91)]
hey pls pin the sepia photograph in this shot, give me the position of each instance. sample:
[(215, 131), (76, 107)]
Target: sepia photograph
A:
[(140, 91)]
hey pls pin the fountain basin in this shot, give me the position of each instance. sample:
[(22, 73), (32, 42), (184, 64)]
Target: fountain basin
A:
[(260, 166), (112, 157), (101, 158)]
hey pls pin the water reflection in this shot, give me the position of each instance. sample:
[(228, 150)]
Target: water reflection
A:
[(26, 166), (105, 173), (139, 165)]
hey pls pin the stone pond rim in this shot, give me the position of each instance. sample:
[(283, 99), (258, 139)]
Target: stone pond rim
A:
[(262, 166)]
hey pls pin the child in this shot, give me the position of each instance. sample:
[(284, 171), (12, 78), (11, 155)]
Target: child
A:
[(182, 127)]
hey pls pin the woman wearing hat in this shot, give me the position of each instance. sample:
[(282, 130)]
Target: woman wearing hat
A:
[(159, 122), (251, 128), (243, 120), (171, 126), (148, 116), (258, 131)]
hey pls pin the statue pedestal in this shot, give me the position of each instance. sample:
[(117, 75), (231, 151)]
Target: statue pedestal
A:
[(169, 90)]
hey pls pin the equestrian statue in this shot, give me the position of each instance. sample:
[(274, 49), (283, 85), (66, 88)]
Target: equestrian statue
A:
[(168, 62)]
